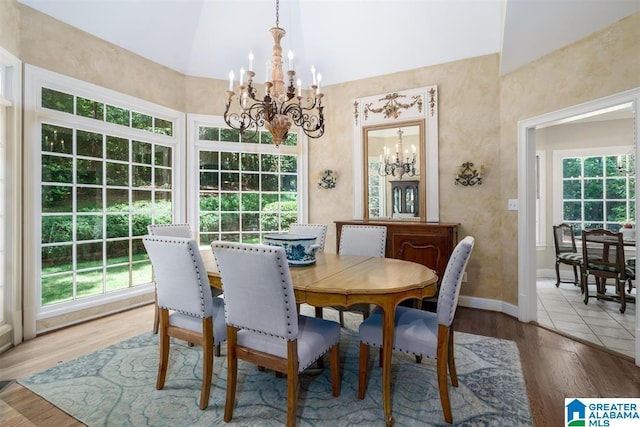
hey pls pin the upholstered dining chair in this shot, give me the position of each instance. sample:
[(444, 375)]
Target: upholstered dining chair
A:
[(603, 254), (318, 230), (566, 252), (175, 230), (263, 326), (363, 240), (170, 230), (187, 309), (423, 333)]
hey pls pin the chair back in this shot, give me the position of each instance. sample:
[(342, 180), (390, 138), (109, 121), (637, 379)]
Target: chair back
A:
[(318, 230), (564, 239), (452, 280), (171, 230), (181, 278), (363, 240), (603, 253), (258, 290)]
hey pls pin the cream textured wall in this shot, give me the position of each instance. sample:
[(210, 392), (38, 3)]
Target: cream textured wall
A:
[(604, 63), (10, 26), (478, 114)]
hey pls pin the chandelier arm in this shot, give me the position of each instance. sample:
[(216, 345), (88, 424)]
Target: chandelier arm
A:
[(312, 125)]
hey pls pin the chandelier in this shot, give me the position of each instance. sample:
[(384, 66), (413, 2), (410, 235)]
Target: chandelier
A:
[(400, 165), (282, 105)]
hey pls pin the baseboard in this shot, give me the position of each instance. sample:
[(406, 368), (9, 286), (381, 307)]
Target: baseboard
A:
[(489, 304)]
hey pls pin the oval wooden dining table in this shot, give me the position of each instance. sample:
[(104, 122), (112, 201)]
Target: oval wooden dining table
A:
[(343, 280)]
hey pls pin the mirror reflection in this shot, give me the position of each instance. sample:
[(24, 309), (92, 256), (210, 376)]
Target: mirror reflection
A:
[(394, 156)]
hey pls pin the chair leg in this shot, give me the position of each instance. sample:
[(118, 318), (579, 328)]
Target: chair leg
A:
[(334, 357), (451, 360), (441, 366), (232, 373), (292, 382), (557, 274), (319, 312), (163, 343), (341, 314), (585, 287), (218, 350), (623, 301), (362, 370), (575, 275), (207, 361), (156, 315)]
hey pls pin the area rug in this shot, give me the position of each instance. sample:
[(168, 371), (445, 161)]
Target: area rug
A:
[(116, 387)]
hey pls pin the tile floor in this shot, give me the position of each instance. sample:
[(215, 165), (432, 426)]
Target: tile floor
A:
[(599, 322)]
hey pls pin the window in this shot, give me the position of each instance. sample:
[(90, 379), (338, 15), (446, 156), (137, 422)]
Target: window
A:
[(10, 208), (245, 188), (595, 191), (107, 168)]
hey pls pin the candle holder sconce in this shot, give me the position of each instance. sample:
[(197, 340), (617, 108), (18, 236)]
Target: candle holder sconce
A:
[(327, 179), (468, 175)]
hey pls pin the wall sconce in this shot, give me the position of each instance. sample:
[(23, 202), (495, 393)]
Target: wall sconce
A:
[(327, 179), (468, 176)]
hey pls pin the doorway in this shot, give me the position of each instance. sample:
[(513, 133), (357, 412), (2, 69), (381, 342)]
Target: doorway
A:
[(527, 264)]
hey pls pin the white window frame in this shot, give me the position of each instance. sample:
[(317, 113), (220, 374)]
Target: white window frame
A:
[(195, 121), (10, 192), (35, 79), (559, 155), (541, 190)]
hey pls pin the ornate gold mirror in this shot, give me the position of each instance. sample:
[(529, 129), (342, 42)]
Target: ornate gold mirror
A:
[(395, 153), (394, 158)]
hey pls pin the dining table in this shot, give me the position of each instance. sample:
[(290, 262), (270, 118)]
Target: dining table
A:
[(344, 280)]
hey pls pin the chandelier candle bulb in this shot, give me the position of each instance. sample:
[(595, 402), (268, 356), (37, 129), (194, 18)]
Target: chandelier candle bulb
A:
[(290, 56), (299, 88), (231, 81), (241, 75), (250, 61), (313, 74)]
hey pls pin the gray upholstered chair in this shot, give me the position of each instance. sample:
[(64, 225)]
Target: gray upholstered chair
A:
[(423, 333), (175, 230), (170, 230), (263, 326), (363, 240), (318, 230), (185, 304)]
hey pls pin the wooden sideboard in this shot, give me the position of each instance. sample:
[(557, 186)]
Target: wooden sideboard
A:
[(429, 244)]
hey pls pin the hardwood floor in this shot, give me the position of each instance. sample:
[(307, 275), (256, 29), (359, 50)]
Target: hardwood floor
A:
[(554, 366)]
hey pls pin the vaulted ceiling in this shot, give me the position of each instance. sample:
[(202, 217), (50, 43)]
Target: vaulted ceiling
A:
[(345, 40)]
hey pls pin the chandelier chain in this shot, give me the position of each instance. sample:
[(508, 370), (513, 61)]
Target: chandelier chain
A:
[(278, 13)]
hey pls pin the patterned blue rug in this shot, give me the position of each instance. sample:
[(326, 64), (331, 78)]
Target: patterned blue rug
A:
[(116, 387)]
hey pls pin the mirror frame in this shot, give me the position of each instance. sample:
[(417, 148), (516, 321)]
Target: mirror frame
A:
[(421, 159), (392, 110)]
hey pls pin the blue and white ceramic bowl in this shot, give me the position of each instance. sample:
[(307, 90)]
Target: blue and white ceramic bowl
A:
[(300, 248)]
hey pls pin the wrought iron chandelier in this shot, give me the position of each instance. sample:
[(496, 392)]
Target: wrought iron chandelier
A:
[(400, 165), (281, 106)]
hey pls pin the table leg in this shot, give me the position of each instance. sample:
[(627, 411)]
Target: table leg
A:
[(387, 349)]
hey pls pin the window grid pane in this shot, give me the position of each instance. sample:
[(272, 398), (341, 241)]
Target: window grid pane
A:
[(96, 205), (244, 195), (596, 193)]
